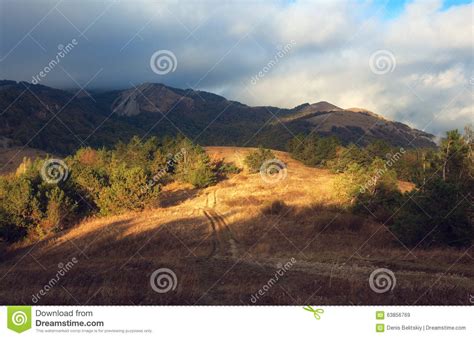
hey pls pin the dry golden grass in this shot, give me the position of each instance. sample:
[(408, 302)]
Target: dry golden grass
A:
[(225, 242)]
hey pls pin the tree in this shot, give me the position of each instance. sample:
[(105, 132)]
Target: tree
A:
[(126, 192), (255, 159), (453, 154), (436, 215), (314, 150), (440, 210), (378, 148), (348, 155), (194, 165)]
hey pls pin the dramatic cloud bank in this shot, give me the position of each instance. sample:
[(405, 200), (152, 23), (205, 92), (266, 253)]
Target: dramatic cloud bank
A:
[(414, 65)]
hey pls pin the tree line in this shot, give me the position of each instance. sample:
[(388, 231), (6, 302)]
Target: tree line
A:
[(439, 211)]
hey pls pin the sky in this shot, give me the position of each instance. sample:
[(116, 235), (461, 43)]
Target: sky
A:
[(410, 61)]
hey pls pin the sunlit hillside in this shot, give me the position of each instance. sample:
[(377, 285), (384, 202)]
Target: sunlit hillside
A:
[(224, 242)]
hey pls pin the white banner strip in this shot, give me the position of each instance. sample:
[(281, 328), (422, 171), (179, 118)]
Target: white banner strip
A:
[(237, 321)]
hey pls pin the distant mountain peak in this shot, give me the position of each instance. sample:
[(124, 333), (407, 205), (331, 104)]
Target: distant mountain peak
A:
[(323, 106), (307, 109)]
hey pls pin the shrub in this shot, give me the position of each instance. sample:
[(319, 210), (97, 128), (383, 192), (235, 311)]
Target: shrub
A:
[(345, 156), (383, 204), (437, 214), (201, 177), (136, 152), (195, 166), (8, 230), (21, 202), (59, 208), (255, 159), (31, 206), (313, 150), (226, 168), (371, 180), (126, 191), (89, 182)]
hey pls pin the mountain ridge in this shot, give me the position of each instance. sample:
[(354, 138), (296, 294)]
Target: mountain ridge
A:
[(154, 109)]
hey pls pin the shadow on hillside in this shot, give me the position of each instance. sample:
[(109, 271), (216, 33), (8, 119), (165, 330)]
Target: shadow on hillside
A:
[(172, 198), (333, 251)]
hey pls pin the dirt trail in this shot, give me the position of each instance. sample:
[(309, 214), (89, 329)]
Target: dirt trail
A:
[(223, 241)]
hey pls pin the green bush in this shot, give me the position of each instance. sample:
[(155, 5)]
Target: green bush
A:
[(437, 214), (255, 159), (382, 205), (126, 192), (30, 206), (313, 150), (20, 201), (10, 231), (228, 168), (345, 156), (194, 166), (60, 208)]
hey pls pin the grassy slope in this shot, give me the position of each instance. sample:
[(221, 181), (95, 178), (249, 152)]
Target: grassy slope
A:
[(224, 244)]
